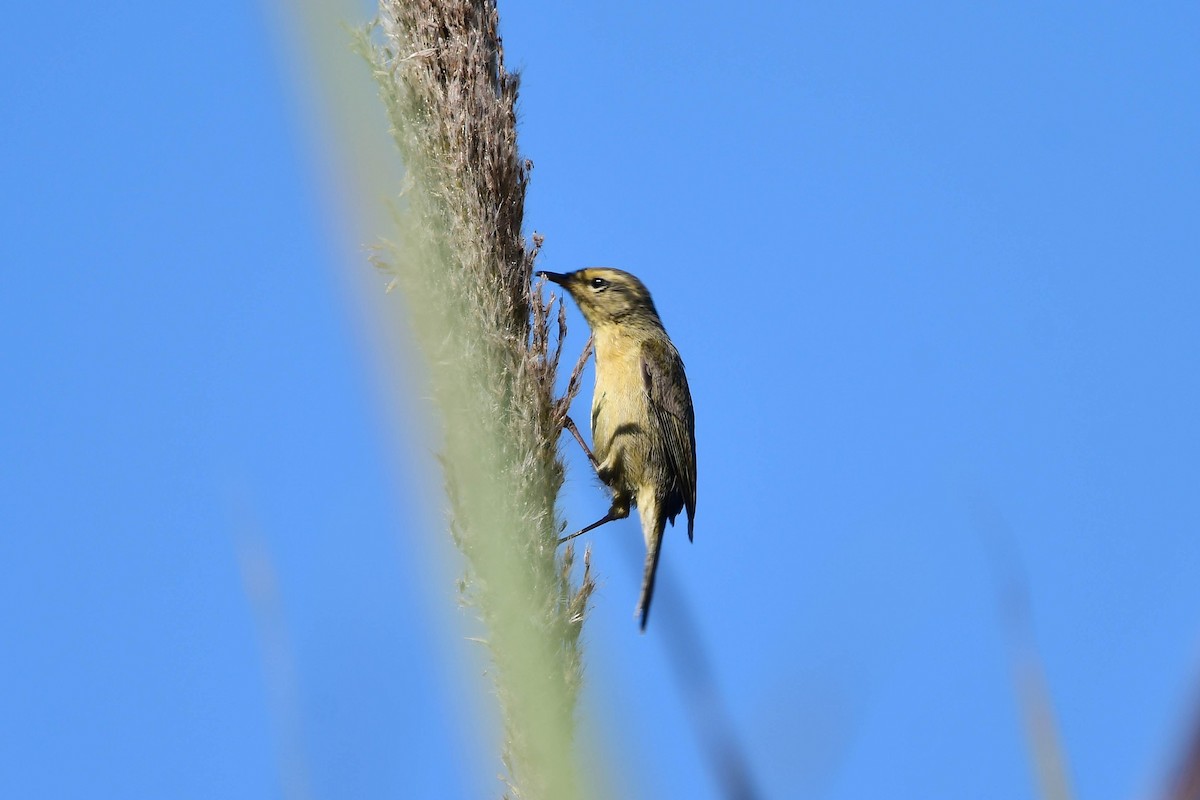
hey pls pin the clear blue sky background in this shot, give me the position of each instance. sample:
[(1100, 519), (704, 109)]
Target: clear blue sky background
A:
[(928, 267)]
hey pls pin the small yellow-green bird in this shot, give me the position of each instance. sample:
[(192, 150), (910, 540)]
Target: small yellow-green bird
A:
[(643, 426)]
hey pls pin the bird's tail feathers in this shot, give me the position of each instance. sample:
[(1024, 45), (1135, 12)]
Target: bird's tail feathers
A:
[(648, 575)]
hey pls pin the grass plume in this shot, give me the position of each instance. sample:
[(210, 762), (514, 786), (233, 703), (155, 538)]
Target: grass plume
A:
[(465, 270)]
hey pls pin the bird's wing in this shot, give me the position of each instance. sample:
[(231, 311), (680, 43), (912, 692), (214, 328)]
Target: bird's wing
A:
[(671, 407)]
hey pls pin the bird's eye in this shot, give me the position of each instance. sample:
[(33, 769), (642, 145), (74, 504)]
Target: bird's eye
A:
[(599, 284)]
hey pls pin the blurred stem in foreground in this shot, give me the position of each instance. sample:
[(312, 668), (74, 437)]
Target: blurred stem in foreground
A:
[(1046, 751), (465, 270), (1184, 780)]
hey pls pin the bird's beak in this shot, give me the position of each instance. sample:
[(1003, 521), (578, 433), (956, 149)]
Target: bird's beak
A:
[(555, 277)]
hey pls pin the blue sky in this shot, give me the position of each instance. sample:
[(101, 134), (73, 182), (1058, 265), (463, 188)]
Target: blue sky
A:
[(927, 268)]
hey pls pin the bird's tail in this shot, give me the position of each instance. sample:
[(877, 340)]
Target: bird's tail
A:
[(653, 548)]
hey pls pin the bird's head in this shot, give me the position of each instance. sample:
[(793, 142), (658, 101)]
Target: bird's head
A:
[(607, 296)]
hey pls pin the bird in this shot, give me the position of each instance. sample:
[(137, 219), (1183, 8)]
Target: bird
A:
[(643, 423)]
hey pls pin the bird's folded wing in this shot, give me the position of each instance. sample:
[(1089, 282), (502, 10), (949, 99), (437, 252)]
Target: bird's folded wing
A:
[(670, 402)]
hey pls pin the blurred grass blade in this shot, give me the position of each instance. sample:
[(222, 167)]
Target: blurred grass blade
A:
[(1033, 693), (455, 250), (1185, 781)]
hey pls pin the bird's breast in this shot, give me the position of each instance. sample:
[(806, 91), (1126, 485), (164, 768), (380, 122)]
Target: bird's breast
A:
[(620, 414)]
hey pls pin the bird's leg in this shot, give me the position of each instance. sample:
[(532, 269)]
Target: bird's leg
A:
[(569, 424), (603, 520), (564, 402), (619, 510)]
